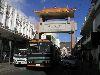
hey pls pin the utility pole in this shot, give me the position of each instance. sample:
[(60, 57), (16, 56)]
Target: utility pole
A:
[(71, 42), (10, 51), (1, 48)]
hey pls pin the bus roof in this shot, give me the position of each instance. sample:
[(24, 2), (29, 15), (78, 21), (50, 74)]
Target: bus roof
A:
[(39, 40)]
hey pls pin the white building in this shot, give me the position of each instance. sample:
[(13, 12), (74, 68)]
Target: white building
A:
[(90, 32), (15, 21), (3, 6), (15, 29)]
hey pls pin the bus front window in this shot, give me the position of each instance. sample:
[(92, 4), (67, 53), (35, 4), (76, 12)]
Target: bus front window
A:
[(44, 47), (34, 48)]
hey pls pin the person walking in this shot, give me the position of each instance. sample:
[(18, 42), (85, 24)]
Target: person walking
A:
[(4, 56)]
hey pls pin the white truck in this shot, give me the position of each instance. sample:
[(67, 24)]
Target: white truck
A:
[(20, 57)]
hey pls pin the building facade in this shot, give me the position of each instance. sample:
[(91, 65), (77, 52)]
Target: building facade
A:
[(90, 32), (15, 29)]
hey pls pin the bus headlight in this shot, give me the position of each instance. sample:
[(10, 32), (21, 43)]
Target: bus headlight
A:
[(29, 62), (25, 59)]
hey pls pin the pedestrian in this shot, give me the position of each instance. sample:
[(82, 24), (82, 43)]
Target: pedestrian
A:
[(4, 56)]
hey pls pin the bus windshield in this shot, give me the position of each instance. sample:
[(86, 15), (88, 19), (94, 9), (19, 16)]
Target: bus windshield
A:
[(44, 47), (40, 47)]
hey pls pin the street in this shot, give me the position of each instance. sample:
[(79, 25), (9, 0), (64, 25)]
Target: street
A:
[(49, 37), (11, 70), (7, 69)]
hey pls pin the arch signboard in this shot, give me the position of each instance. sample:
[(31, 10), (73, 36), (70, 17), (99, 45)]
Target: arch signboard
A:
[(57, 27)]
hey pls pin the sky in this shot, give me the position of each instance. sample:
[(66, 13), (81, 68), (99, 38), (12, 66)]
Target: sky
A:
[(28, 6)]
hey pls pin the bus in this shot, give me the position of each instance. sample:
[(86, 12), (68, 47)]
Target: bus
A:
[(20, 56), (40, 53)]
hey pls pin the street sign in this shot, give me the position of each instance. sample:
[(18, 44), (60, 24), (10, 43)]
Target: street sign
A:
[(57, 26)]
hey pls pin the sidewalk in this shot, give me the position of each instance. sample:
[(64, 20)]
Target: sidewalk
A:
[(5, 66)]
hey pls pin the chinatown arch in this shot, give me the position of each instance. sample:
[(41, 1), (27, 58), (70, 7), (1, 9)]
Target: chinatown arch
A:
[(53, 27)]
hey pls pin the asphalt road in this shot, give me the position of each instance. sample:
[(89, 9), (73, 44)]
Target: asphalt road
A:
[(52, 71), (11, 70), (25, 72)]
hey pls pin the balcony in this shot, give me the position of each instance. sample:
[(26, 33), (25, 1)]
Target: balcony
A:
[(8, 14), (1, 24), (97, 5), (88, 24), (88, 39), (20, 34), (1, 10)]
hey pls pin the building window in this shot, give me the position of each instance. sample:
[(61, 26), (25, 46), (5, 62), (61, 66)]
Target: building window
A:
[(1, 8), (1, 15)]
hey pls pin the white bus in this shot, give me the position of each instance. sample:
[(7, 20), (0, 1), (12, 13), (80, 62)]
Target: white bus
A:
[(20, 57)]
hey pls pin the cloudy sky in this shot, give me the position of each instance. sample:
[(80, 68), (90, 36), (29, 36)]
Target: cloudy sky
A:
[(27, 6)]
